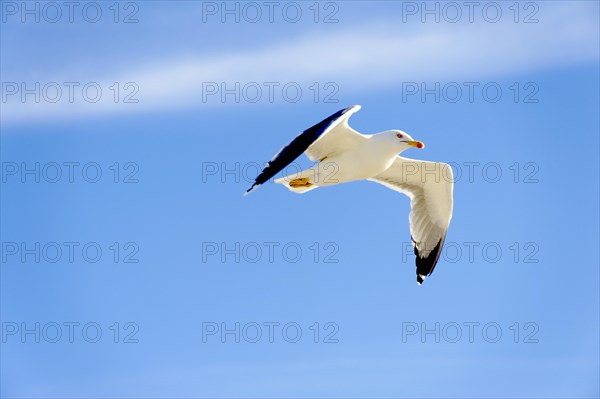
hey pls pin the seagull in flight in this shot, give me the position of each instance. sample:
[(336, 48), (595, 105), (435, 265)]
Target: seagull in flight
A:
[(344, 155)]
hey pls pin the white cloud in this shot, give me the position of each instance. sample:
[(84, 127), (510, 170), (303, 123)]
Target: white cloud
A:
[(368, 57)]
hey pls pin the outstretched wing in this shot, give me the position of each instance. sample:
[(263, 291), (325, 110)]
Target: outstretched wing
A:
[(429, 185), (330, 136)]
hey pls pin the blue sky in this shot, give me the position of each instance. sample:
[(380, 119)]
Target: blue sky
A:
[(187, 239)]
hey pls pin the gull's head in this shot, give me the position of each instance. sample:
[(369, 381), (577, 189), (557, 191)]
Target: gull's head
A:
[(400, 140)]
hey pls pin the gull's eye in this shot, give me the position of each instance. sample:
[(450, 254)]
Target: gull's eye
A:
[(399, 136)]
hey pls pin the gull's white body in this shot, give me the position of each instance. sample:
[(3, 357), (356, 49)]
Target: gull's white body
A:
[(363, 162)]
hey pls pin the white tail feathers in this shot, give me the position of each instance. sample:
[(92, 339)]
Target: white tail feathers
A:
[(298, 190)]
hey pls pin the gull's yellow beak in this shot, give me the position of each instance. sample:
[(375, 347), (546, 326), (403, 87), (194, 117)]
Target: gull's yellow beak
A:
[(414, 143)]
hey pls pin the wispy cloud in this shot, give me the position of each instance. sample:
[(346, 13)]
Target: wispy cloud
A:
[(368, 57)]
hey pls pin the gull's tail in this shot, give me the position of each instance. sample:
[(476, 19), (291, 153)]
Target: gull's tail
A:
[(298, 183)]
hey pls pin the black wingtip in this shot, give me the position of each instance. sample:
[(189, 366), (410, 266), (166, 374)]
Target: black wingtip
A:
[(425, 265), (254, 187)]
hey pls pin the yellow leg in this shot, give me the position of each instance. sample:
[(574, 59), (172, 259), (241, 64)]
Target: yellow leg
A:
[(302, 182)]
